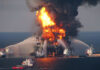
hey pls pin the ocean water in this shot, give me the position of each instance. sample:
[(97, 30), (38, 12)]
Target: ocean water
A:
[(9, 38), (55, 63), (59, 63)]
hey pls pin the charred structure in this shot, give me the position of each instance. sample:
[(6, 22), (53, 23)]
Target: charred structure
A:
[(57, 19)]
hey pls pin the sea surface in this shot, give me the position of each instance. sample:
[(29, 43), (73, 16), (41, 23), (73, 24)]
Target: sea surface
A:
[(56, 63), (10, 38)]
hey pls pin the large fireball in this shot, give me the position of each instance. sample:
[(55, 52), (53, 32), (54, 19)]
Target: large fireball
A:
[(50, 30)]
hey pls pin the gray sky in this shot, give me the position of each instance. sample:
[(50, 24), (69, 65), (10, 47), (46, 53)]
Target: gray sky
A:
[(16, 17), (90, 17)]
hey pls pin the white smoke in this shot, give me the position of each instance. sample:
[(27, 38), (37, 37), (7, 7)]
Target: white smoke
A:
[(23, 48), (27, 46), (34, 4), (45, 47), (63, 44), (78, 47)]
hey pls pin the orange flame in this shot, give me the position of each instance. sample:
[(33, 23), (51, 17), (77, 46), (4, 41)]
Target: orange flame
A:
[(45, 19), (51, 31)]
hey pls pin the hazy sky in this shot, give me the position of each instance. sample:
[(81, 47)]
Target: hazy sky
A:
[(16, 17)]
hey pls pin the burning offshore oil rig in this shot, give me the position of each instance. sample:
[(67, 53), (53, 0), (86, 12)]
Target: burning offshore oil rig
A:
[(57, 20), (58, 29), (56, 37)]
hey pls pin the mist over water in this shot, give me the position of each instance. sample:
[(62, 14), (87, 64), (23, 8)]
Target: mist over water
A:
[(83, 63), (10, 38), (91, 38)]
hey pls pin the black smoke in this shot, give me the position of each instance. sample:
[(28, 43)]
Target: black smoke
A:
[(65, 11)]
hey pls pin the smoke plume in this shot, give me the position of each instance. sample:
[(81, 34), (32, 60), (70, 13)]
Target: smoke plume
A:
[(63, 12)]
